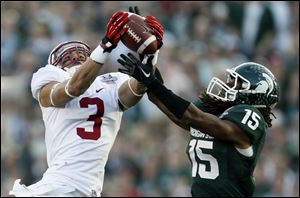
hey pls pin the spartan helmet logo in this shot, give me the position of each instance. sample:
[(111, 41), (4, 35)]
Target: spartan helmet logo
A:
[(264, 85)]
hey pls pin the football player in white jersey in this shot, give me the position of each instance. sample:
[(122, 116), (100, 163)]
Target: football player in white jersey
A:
[(82, 114)]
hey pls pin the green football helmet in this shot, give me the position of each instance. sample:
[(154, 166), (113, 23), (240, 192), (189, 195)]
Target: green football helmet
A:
[(248, 83)]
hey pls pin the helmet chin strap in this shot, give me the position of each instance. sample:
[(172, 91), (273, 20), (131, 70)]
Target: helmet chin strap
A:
[(72, 70)]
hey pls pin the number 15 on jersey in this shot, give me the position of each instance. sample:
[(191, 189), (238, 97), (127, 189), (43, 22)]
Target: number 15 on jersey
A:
[(196, 150)]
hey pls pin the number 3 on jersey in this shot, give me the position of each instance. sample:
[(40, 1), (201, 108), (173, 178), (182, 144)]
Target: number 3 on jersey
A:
[(96, 118), (196, 148)]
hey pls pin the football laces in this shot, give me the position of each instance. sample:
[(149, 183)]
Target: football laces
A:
[(134, 36)]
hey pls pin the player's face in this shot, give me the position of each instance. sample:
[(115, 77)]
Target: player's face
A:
[(231, 81), (75, 57)]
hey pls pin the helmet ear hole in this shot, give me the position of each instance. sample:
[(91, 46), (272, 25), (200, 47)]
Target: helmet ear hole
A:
[(244, 85)]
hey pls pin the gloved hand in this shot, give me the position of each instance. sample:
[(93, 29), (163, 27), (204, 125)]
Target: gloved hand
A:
[(158, 75), (134, 10), (114, 31), (157, 29), (135, 68)]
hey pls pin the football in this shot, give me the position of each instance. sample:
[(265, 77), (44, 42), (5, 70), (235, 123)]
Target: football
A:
[(138, 37)]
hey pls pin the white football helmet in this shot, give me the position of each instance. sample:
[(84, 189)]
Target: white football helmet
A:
[(60, 56)]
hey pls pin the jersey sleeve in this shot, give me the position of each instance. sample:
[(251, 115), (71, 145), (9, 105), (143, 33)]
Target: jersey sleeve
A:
[(44, 76), (121, 79), (248, 118)]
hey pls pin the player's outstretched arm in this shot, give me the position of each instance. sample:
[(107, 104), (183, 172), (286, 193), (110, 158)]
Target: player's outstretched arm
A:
[(58, 94), (165, 110), (185, 112)]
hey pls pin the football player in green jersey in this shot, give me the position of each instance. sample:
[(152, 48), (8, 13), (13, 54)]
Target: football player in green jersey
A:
[(227, 124)]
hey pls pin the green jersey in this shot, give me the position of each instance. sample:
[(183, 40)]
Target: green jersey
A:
[(218, 167)]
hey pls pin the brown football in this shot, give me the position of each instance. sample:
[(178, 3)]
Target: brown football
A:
[(138, 37)]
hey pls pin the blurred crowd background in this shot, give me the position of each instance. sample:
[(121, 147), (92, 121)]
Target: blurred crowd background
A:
[(201, 40)]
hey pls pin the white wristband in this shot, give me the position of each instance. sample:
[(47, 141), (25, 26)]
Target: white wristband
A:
[(138, 95), (67, 91), (98, 55)]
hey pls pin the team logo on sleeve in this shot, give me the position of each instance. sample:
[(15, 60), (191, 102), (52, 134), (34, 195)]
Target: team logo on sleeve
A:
[(109, 79)]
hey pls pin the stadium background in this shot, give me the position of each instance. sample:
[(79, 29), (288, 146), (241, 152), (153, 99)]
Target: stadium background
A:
[(202, 39)]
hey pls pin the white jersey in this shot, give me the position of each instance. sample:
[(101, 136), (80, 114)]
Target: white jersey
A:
[(79, 137)]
